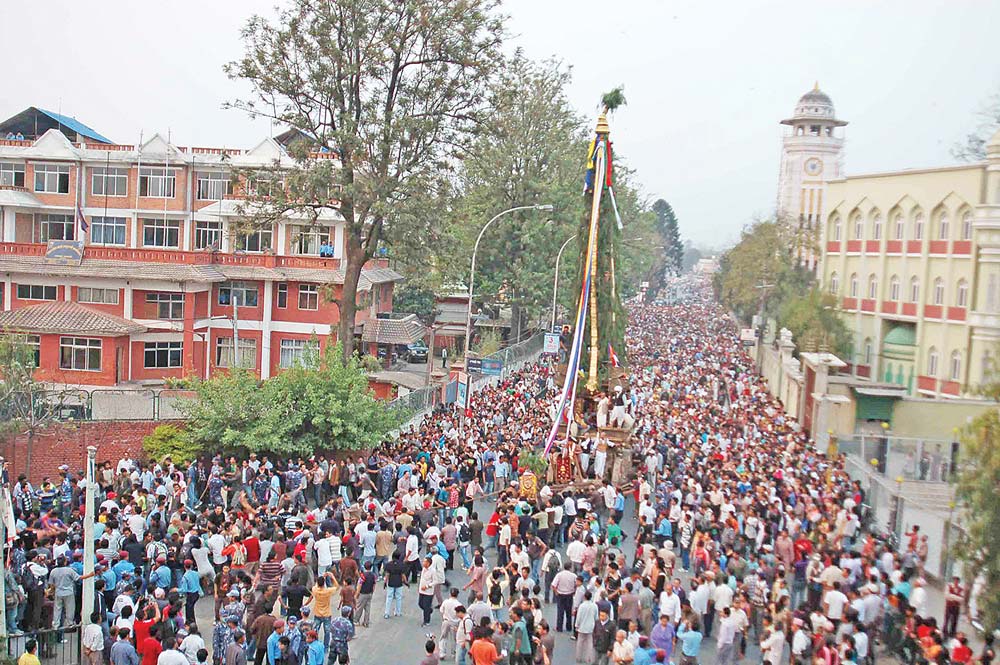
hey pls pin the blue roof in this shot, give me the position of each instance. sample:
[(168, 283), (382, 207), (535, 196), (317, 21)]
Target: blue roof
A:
[(76, 126)]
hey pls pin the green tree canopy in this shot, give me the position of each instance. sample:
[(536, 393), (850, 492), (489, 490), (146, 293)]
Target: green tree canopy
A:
[(324, 404)]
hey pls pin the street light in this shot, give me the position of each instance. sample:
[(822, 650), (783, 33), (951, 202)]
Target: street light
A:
[(555, 282), (472, 271)]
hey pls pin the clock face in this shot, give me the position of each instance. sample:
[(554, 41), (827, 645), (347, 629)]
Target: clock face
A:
[(814, 166)]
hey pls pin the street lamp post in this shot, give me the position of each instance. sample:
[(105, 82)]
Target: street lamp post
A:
[(555, 282), (472, 271)]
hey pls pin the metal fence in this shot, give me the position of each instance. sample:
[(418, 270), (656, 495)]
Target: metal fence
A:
[(925, 460), (73, 404), (55, 647), (515, 357)]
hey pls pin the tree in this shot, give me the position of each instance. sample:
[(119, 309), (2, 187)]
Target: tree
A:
[(526, 153), (388, 89), (322, 404), (674, 248), (414, 299), (976, 493), (170, 441), (973, 148), (761, 257), (812, 319)]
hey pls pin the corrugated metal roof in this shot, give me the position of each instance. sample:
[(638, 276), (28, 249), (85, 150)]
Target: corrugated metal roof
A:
[(76, 126), (173, 272), (406, 330), (67, 317)]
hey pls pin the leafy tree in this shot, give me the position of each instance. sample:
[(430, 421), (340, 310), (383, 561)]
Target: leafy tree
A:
[(416, 299), (761, 256), (973, 147), (170, 441), (389, 89), (320, 405), (813, 321), (669, 230), (978, 481), (691, 257)]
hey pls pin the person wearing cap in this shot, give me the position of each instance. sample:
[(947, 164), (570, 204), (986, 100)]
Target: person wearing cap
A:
[(190, 587), (273, 650), (341, 632)]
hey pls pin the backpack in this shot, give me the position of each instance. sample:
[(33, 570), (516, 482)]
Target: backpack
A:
[(239, 557), (496, 594), (463, 533)]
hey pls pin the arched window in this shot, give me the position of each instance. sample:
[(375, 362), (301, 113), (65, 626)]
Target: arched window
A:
[(834, 283), (877, 227), (859, 228), (868, 351), (836, 228), (967, 226), (873, 286), (943, 226), (918, 227), (938, 292), (962, 296), (932, 362), (900, 227), (955, 366), (894, 288), (854, 285), (914, 289)]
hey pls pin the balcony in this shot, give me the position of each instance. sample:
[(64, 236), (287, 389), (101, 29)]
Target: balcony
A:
[(933, 311), (909, 309), (953, 388), (961, 247), (927, 383), (956, 314), (889, 307), (192, 258), (850, 303), (914, 246), (872, 246), (893, 246), (833, 247), (868, 305), (854, 246), (939, 247)]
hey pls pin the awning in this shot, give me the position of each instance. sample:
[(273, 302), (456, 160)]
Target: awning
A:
[(881, 392)]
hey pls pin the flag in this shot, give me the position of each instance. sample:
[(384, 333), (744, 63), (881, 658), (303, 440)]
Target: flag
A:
[(613, 356), (80, 219)]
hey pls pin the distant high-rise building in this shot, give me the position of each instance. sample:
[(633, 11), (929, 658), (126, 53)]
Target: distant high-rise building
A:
[(810, 155)]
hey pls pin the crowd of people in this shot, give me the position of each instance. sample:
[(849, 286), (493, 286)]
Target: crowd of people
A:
[(733, 531)]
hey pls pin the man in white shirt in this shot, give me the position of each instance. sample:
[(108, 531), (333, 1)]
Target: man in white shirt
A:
[(670, 605), (726, 638), (574, 551), (324, 553), (833, 604)]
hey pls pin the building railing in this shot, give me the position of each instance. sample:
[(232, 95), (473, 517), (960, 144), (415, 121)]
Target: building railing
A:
[(55, 647), (908, 458)]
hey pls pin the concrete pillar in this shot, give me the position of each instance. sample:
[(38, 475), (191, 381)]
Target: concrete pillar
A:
[(265, 332), (7, 221), (127, 302), (8, 292), (187, 355)]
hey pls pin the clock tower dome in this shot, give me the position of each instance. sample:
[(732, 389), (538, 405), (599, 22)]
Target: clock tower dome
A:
[(810, 155)]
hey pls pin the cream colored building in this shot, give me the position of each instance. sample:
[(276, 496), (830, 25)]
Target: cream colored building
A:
[(914, 259)]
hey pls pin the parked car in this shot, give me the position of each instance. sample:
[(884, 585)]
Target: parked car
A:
[(415, 353)]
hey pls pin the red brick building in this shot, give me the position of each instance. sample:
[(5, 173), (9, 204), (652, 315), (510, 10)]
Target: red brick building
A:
[(126, 264)]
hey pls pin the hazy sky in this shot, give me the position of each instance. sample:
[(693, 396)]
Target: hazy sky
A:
[(706, 82)]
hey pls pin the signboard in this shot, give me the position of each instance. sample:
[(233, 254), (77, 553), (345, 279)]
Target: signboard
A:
[(474, 365), (644, 285), (491, 367), (748, 336), (551, 344), (66, 252), (462, 397)]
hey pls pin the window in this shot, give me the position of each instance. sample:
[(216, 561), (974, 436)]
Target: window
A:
[(859, 228), (56, 227), (837, 228), (243, 293), (307, 239), (34, 342), (255, 241), (900, 227), (168, 306), (162, 354), (214, 185), (52, 178), (932, 362), (106, 181), (282, 295), (872, 286), (914, 289), (161, 233), (894, 289), (834, 283), (967, 226), (297, 352), (157, 183), (943, 226), (938, 291), (918, 227), (962, 297), (107, 230), (868, 352), (877, 227), (308, 296), (266, 184), (207, 235), (86, 294), (955, 366), (80, 353), (35, 292), (854, 285), (11, 175), (224, 353)]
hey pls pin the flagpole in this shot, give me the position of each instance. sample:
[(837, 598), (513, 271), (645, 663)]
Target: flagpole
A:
[(88, 539), (3, 561)]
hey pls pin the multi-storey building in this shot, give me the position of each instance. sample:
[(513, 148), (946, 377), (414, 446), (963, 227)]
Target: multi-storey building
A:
[(130, 263), (810, 155), (914, 259)]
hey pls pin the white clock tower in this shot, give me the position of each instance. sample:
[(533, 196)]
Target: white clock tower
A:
[(810, 155)]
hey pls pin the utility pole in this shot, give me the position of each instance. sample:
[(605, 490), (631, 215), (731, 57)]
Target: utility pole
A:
[(236, 330), (763, 287), (4, 507), (88, 538)]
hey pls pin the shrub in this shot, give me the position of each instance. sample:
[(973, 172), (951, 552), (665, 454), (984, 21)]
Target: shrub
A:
[(170, 441)]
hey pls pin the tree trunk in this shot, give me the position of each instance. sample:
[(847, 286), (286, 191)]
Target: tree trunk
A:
[(356, 258), (515, 323)]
